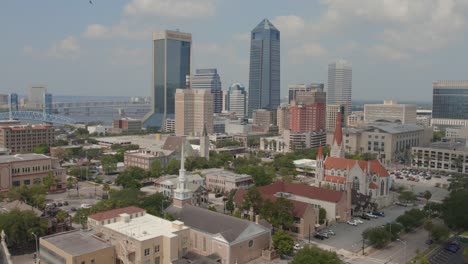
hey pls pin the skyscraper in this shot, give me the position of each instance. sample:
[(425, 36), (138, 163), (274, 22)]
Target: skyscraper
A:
[(209, 79), (236, 100), (340, 83), (171, 66), (295, 89), (194, 112), (450, 104), (47, 106), (264, 74)]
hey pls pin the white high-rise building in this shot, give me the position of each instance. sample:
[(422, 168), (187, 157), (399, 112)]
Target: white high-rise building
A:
[(390, 111), (236, 100), (209, 79), (340, 78)]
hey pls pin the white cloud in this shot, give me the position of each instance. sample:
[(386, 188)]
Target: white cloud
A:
[(299, 54), (171, 8), (129, 56), (289, 25), (388, 53), (67, 47), (121, 30)]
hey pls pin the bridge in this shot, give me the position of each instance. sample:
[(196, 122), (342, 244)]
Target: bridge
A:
[(98, 104), (36, 116)]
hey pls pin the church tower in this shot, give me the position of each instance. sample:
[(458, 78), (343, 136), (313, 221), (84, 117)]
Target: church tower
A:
[(337, 147), (182, 195), (320, 166), (205, 144)]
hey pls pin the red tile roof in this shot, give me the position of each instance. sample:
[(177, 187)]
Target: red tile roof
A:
[(115, 212), (338, 135), (342, 164), (373, 185), (337, 179)]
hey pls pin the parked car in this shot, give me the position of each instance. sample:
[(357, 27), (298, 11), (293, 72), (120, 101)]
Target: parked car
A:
[(319, 236), (217, 195), (73, 209), (352, 223), (298, 247), (59, 204), (324, 234), (452, 247), (379, 213), (358, 221), (429, 242), (86, 206), (65, 203), (329, 232), (365, 217), (371, 215)]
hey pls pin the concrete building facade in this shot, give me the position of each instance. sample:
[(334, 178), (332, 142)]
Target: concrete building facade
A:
[(283, 118), (449, 156), (194, 112), (127, 124), (221, 180), (236, 100), (332, 113), (209, 79), (390, 111), (340, 79)]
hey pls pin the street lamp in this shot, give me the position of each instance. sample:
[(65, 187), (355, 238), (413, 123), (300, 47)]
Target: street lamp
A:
[(404, 243), (37, 247)]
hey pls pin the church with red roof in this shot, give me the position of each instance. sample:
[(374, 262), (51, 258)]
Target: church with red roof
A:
[(366, 177)]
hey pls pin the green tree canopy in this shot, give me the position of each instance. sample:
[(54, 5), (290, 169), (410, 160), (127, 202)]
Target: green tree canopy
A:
[(19, 226), (439, 232), (278, 213), (156, 169), (173, 167), (109, 163), (455, 211), (377, 236), (41, 149), (427, 195), (315, 255), (411, 219), (253, 199), (283, 243), (131, 177), (322, 215), (407, 196), (33, 195)]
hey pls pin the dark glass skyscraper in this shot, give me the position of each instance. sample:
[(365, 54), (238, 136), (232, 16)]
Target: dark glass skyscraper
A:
[(264, 74), (450, 100), (171, 66)]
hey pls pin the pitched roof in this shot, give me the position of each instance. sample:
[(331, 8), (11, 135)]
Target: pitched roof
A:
[(230, 228), (265, 25), (374, 166), (338, 135), (115, 212)]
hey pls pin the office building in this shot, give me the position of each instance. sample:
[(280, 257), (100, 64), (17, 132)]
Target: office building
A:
[(300, 93), (221, 180), (450, 156), (450, 104), (209, 79), (171, 66), (263, 120), (28, 170), (236, 100), (283, 118), (36, 97), (423, 117), (47, 105), (457, 133), (4, 99), (356, 118), (24, 138), (13, 101), (340, 84), (390, 111), (127, 125), (264, 73), (332, 113), (305, 118), (304, 140), (77, 246), (194, 112)]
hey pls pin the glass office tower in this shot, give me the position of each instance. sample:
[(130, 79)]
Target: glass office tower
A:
[(450, 99), (209, 79), (264, 74), (171, 66)]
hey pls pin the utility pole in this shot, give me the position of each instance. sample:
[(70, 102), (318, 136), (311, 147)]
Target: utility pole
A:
[(309, 233)]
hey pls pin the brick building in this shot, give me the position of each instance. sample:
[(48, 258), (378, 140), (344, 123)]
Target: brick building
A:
[(24, 138)]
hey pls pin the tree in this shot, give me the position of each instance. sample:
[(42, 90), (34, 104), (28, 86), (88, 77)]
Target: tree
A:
[(156, 169), (155, 204), (394, 230), (322, 215), (427, 195), (278, 213), (439, 232), (50, 180), (315, 255), (173, 167), (411, 219), (32, 195), (18, 226), (230, 204), (109, 163), (377, 236), (428, 225), (283, 243), (61, 153), (106, 187), (454, 209), (93, 153), (407, 197), (131, 177), (252, 200), (41, 149)]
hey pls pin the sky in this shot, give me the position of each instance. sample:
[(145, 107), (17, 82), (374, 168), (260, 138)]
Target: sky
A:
[(397, 47)]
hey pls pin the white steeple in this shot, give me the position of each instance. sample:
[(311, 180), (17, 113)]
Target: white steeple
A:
[(182, 195)]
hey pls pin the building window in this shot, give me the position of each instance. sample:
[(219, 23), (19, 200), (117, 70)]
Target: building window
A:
[(156, 249), (382, 188), (204, 244), (250, 243), (27, 182), (93, 261), (157, 260), (356, 183), (147, 251), (196, 241), (16, 183)]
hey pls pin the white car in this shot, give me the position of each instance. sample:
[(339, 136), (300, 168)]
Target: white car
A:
[(353, 223), (371, 215), (298, 247), (86, 206), (358, 221)]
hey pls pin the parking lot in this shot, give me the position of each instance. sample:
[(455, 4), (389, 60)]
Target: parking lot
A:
[(350, 237)]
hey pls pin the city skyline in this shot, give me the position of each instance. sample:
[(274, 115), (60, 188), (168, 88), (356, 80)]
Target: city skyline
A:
[(102, 48)]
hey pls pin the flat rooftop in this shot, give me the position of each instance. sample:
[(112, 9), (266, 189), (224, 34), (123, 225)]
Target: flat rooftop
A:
[(77, 243), (22, 157), (224, 173), (145, 227)]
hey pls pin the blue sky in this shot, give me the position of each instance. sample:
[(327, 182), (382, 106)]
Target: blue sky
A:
[(397, 47)]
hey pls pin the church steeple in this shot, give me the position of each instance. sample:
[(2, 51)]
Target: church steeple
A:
[(204, 144), (182, 195), (337, 147)]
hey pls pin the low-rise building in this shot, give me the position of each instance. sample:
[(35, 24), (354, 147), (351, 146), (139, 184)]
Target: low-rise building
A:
[(390, 111), (306, 167), (128, 125), (304, 140), (457, 133), (24, 138), (139, 237), (195, 183), (273, 144), (77, 246), (449, 156), (221, 180), (29, 169)]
